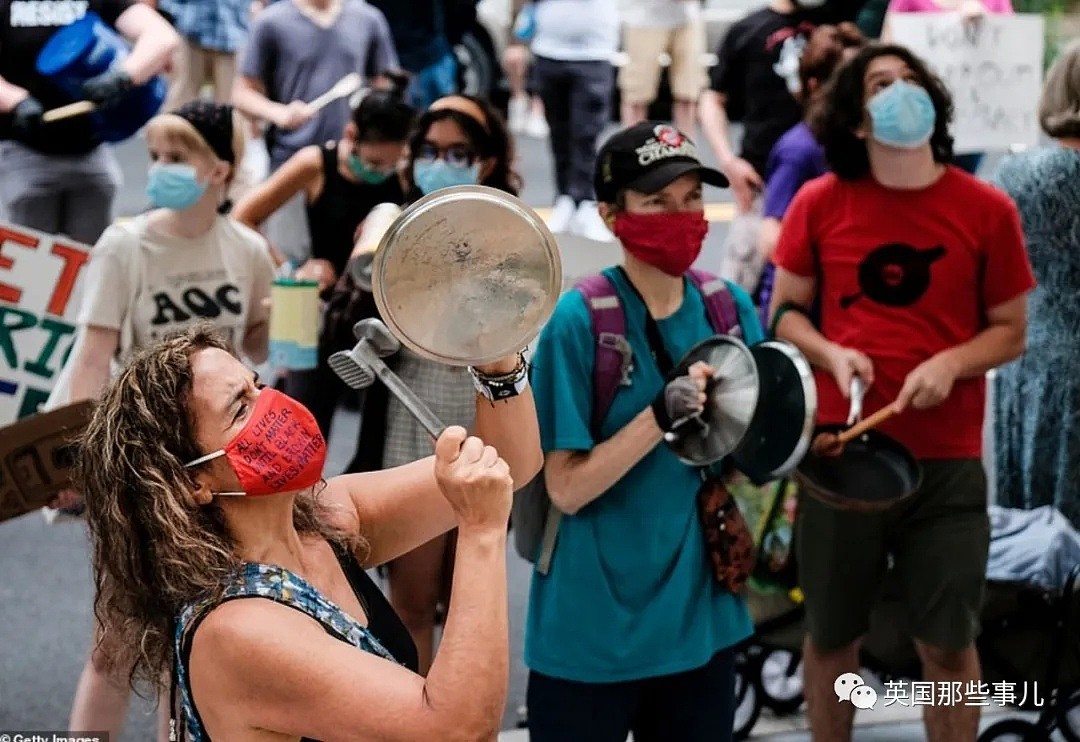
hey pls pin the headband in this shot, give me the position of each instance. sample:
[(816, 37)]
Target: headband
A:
[(464, 106), (214, 123)]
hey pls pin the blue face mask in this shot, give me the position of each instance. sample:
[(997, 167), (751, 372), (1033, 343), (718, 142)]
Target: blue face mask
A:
[(902, 115), (174, 186), (431, 175), (365, 174)]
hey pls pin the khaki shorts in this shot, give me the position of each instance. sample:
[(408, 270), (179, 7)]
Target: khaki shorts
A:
[(938, 541), (195, 66), (639, 79)]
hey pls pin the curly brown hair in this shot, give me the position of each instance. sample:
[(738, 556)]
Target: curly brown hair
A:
[(155, 550)]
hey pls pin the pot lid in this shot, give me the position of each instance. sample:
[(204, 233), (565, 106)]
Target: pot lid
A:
[(732, 399), (783, 426)]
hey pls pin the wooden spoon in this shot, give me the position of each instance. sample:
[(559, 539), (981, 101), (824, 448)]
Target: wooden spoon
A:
[(830, 444)]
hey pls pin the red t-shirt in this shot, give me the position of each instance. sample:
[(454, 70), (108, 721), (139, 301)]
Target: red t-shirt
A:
[(907, 274)]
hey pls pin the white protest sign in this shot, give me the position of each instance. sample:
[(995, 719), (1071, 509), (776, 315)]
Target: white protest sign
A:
[(40, 288), (993, 69)]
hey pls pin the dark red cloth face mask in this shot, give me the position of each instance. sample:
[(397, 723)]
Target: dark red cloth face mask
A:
[(279, 449), (669, 241)]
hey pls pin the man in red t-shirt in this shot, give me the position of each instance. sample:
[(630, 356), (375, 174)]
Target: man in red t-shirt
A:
[(920, 275)]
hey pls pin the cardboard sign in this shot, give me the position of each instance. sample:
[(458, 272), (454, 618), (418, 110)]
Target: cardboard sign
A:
[(993, 68), (39, 300)]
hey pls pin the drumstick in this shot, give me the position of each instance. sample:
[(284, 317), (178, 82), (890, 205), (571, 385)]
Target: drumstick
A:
[(871, 422), (69, 111)]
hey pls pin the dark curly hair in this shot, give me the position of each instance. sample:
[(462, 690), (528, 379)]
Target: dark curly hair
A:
[(495, 142), (843, 111)]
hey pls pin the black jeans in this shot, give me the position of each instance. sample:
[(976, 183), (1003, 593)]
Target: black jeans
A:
[(693, 706), (577, 104)]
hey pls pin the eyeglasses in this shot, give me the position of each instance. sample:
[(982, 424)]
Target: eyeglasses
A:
[(457, 155)]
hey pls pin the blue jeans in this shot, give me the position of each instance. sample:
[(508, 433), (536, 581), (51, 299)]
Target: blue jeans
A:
[(435, 81), (693, 706)]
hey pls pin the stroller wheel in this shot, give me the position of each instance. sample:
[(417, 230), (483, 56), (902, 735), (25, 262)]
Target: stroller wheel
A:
[(1068, 718), (1014, 730), (747, 700), (779, 681)]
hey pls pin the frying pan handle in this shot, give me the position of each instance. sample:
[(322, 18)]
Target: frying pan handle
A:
[(857, 390)]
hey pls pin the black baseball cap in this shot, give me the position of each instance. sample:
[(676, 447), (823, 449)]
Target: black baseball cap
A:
[(646, 157)]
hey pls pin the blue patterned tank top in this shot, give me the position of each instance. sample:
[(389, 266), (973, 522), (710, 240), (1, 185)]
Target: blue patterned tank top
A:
[(255, 580)]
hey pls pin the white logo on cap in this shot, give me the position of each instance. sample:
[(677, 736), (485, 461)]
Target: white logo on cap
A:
[(666, 142)]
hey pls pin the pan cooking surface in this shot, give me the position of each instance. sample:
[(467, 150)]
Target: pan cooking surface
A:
[(859, 474)]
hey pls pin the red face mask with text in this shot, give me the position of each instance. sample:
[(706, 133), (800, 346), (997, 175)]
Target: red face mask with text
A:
[(669, 241), (279, 449)]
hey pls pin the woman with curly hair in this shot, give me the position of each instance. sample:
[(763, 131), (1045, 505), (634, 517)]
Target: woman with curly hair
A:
[(227, 568)]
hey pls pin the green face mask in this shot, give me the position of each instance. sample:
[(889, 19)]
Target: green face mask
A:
[(365, 174)]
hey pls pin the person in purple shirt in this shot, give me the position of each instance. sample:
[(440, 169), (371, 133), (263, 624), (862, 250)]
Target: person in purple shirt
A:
[(797, 157)]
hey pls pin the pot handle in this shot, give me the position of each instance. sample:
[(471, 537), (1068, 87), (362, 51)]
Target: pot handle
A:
[(856, 395)]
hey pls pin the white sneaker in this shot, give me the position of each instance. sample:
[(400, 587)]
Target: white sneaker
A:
[(562, 213), (536, 126), (517, 114), (588, 223)]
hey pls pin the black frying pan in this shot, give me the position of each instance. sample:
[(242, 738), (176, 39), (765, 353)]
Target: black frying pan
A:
[(873, 473)]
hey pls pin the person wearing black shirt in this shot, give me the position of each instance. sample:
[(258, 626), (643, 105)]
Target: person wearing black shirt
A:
[(754, 81), (57, 176)]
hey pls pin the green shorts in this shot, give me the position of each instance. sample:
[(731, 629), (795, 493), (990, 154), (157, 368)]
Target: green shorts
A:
[(938, 542)]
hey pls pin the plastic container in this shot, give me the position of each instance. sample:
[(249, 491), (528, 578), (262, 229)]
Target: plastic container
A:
[(294, 324), (85, 49)]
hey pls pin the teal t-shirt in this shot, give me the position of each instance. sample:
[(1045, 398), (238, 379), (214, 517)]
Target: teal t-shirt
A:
[(629, 594)]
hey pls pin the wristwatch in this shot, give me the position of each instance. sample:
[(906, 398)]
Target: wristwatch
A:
[(504, 386)]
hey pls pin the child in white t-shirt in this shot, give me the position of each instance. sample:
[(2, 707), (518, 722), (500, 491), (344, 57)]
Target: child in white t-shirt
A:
[(154, 274)]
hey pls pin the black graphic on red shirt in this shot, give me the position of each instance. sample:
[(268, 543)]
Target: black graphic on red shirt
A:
[(895, 274)]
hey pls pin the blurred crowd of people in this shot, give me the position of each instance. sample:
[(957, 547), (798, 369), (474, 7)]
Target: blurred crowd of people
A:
[(845, 155)]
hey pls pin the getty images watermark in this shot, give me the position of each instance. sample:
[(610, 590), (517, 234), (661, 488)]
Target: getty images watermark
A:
[(50, 736), (850, 687)]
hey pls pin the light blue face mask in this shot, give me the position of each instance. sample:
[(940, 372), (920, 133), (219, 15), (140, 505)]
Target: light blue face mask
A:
[(431, 175), (174, 186), (365, 174), (902, 115)]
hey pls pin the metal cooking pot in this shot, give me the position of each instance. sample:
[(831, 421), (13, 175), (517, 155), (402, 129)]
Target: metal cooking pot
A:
[(874, 473)]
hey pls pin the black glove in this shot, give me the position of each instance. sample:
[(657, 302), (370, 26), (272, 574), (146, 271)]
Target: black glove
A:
[(26, 118), (108, 88), (678, 402)]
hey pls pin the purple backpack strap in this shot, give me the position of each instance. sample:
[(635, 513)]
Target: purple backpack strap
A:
[(614, 356), (719, 302)]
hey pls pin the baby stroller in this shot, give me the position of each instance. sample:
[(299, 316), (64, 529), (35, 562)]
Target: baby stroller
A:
[(1030, 622)]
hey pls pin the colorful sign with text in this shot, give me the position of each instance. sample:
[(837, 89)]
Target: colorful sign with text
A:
[(39, 300)]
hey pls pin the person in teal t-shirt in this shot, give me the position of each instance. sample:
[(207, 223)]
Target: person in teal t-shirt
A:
[(629, 630)]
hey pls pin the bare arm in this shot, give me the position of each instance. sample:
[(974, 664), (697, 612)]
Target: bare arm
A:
[(714, 122), (255, 664), (249, 97), (1003, 340), (768, 236), (264, 666), (399, 509), (931, 382), (154, 41), (795, 327), (574, 479), (301, 172), (11, 95), (92, 365)]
